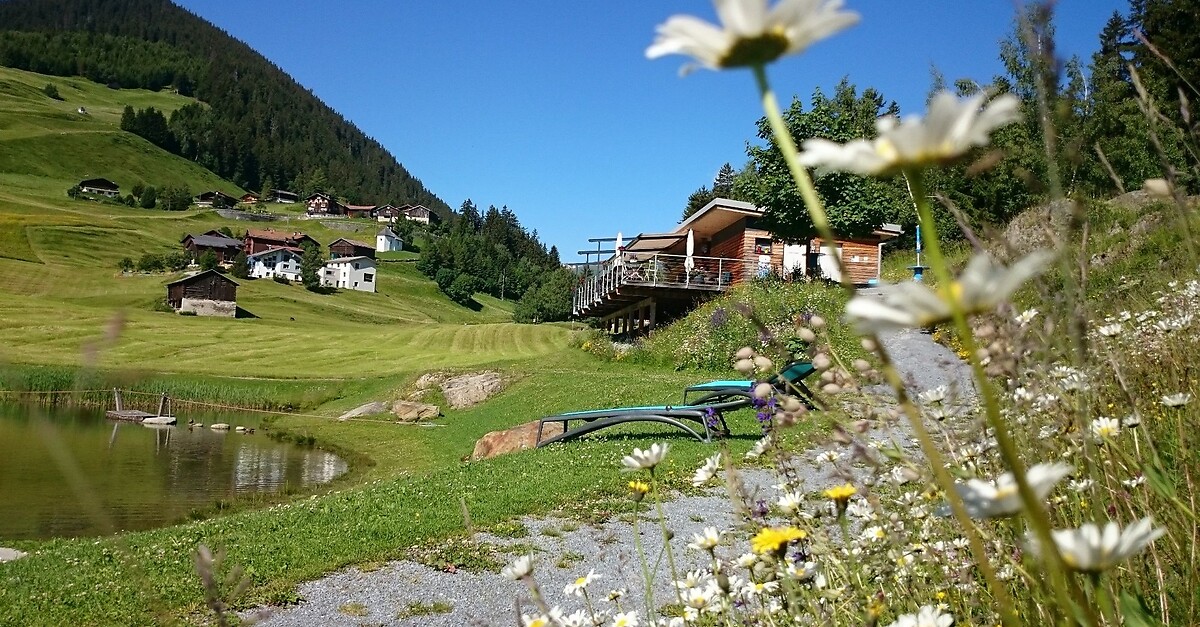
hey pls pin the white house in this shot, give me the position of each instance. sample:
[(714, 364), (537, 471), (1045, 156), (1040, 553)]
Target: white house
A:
[(388, 242), (351, 273), (273, 262)]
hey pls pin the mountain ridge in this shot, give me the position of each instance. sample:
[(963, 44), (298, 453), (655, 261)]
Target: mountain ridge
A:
[(261, 125)]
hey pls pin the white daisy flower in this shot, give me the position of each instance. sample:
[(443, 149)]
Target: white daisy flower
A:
[(985, 499), (706, 541), (707, 471), (1177, 400), (1110, 330), (625, 619), (949, 130), (1092, 549), (519, 569), (1082, 485), (1134, 482), (935, 395), (790, 502), (1105, 428), (1025, 317), (577, 587), (751, 34), (927, 616), (759, 448), (647, 459), (983, 285)]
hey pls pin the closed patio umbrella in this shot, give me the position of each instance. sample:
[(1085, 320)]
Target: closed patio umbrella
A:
[(689, 263), (619, 259)]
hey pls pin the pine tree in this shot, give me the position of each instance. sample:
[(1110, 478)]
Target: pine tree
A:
[(310, 267)]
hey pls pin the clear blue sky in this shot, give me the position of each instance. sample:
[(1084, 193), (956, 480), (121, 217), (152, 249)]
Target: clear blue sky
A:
[(550, 106)]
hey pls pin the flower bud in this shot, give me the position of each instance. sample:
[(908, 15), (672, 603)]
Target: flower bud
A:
[(821, 361), (762, 363), (1157, 187), (816, 322), (831, 388), (744, 352), (807, 335), (862, 365), (744, 366), (868, 345), (763, 390)]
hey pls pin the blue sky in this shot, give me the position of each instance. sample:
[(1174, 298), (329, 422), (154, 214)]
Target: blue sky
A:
[(551, 108)]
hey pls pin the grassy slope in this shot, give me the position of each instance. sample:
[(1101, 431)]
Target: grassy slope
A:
[(61, 288)]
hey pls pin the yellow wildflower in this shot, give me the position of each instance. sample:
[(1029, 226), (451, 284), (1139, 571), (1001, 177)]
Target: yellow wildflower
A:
[(841, 493), (772, 539)]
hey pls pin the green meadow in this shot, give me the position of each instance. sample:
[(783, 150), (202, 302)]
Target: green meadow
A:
[(70, 320)]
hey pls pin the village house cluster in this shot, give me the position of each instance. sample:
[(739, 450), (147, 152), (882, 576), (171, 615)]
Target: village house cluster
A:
[(273, 254)]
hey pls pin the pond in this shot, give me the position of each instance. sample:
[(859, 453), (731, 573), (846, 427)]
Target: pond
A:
[(67, 472)]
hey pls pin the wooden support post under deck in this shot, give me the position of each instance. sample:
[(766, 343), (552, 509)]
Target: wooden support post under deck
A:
[(653, 314)]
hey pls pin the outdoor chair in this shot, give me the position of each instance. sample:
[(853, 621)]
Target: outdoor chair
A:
[(790, 380), (698, 420)]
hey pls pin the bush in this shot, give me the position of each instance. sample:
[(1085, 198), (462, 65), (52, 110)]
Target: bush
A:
[(463, 288), (241, 267), (175, 261), (150, 262), (149, 197), (208, 261), (281, 279), (162, 306), (125, 264), (52, 91)]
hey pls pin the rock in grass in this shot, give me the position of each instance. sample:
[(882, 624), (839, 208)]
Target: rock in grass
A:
[(8, 555), (369, 409), (220, 426), (471, 389), (513, 440), (412, 411)]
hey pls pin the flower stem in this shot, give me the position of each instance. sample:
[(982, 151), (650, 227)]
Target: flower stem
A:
[(647, 576), (1038, 517), (666, 535), (816, 212)]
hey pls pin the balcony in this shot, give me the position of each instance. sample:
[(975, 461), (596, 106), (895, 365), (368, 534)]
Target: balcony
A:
[(630, 278)]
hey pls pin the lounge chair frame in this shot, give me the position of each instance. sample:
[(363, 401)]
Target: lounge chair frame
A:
[(677, 416), (723, 391)]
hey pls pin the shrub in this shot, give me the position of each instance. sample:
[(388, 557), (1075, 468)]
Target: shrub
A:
[(281, 279), (52, 91), (125, 264), (150, 262)]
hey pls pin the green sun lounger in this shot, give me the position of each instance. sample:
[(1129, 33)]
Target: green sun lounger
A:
[(693, 419), (789, 381)]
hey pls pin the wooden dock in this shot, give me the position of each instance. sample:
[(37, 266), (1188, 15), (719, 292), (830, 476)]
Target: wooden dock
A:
[(163, 417)]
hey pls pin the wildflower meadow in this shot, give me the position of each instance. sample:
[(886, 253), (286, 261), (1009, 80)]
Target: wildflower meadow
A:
[(1060, 492)]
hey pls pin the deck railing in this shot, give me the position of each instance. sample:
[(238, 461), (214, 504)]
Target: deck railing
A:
[(667, 271)]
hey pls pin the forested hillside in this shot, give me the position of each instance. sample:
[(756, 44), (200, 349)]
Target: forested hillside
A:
[(1112, 121), (259, 125)]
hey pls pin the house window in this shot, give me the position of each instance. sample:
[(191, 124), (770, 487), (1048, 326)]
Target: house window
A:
[(367, 278), (762, 245)]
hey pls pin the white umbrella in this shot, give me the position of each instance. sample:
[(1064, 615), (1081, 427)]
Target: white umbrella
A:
[(619, 259), (689, 264)]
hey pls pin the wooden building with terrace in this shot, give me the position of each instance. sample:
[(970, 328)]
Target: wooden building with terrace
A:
[(658, 276)]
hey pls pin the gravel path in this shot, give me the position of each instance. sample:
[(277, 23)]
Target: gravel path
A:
[(352, 597)]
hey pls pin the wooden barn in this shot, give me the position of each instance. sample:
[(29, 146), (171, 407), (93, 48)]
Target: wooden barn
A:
[(100, 187), (214, 198), (350, 248), (223, 246), (323, 204), (208, 293), (258, 240), (358, 211)]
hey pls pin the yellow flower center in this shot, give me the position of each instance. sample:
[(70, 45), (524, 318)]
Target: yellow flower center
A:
[(640, 487), (756, 50), (581, 581)]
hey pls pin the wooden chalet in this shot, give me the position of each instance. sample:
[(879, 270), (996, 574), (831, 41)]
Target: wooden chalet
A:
[(387, 213), (358, 211), (285, 197), (419, 213), (249, 198), (221, 245), (258, 240), (214, 198), (350, 248), (322, 204), (651, 277), (100, 187), (208, 293)]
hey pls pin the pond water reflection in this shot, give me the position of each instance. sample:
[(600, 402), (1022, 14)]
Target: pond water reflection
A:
[(68, 472)]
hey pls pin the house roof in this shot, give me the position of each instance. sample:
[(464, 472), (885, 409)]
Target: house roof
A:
[(273, 235), (387, 232), (200, 275), (215, 242), (100, 183), (360, 207), (290, 249), (351, 242), (718, 214), (213, 193), (348, 260)]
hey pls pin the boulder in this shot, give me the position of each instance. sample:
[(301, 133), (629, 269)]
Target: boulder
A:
[(369, 409), (8, 555), (411, 411), (471, 389), (512, 440), (429, 380)]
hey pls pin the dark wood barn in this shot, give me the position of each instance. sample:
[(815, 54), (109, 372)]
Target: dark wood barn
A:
[(208, 293), (350, 248)]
